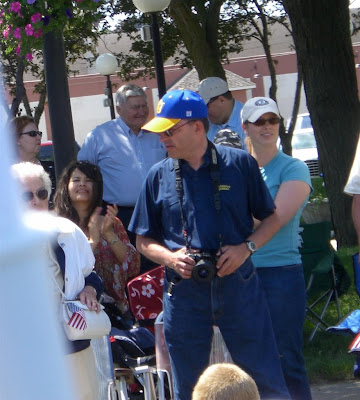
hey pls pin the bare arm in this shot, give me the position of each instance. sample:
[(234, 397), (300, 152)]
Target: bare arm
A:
[(289, 199), (234, 256), (177, 260), (117, 246)]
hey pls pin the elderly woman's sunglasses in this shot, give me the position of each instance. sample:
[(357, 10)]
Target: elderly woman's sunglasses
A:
[(41, 194), (32, 133)]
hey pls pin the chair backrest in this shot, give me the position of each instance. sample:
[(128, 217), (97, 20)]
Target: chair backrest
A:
[(316, 237), (316, 249), (318, 256), (145, 294)]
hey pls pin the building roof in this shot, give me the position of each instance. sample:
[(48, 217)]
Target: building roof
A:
[(190, 80)]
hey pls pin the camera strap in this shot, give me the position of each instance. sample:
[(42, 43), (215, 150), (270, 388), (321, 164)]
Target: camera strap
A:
[(215, 178)]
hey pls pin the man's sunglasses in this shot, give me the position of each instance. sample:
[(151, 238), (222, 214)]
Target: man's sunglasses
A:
[(41, 194), (32, 133), (170, 132), (262, 122)]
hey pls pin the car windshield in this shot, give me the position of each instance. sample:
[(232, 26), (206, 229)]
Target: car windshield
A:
[(306, 122), (305, 140)]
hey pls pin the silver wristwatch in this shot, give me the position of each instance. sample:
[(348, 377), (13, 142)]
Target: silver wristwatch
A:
[(251, 246)]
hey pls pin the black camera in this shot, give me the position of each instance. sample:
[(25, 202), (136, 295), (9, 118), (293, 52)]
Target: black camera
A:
[(205, 267)]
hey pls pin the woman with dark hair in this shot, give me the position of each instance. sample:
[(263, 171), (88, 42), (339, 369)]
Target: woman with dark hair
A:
[(79, 198)]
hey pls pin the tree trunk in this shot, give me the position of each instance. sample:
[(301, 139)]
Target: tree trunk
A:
[(200, 39), (286, 136), (20, 87), (324, 50)]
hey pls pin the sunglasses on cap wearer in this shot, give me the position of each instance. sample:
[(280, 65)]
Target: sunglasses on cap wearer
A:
[(262, 122), (32, 133), (41, 194), (170, 132)]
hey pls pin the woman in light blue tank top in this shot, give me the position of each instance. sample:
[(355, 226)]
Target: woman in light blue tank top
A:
[(278, 262)]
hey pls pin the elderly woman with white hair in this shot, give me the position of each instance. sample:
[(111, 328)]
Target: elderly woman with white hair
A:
[(71, 261)]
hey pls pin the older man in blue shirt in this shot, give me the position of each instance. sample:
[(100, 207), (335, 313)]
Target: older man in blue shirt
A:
[(123, 151)]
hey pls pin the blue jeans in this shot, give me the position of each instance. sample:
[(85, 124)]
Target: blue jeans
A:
[(285, 292), (236, 304)]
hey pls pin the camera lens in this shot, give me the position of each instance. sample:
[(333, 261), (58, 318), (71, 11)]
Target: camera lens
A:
[(204, 271)]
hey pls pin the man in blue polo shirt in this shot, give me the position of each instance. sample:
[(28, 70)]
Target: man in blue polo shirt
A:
[(223, 110), (195, 216)]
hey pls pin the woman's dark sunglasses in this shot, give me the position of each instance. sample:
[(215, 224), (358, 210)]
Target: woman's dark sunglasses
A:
[(262, 122), (32, 133), (41, 194)]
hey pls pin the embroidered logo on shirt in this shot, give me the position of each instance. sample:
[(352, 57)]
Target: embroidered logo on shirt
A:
[(224, 187)]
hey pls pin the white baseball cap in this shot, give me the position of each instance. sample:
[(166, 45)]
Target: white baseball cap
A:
[(212, 87), (257, 106)]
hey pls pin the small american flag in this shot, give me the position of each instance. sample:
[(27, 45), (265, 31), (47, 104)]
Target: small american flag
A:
[(355, 344), (77, 319)]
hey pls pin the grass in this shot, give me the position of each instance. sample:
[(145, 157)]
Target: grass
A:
[(327, 357), (319, 191)]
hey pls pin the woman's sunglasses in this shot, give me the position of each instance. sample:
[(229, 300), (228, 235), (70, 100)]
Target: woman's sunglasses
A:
[(32, 133), (271, 121), (41, 194)]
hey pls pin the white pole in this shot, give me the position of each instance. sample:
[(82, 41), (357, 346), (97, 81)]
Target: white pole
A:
[(32, 365)]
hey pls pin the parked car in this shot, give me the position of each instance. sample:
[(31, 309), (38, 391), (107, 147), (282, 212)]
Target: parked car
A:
[(47, 152), (304, 144)]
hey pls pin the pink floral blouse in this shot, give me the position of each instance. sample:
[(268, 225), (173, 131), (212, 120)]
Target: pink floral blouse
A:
[(114, 274)]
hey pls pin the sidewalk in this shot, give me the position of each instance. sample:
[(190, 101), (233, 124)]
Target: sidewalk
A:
[(349, 390)]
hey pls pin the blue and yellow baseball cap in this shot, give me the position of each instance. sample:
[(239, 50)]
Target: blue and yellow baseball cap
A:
[(175, 106)]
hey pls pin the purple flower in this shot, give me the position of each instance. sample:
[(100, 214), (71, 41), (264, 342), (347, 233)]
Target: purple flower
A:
[(31, 1), (38, 33), (15, 6), (29, 30), (68, 13), (6, 32), (17, 33), (46, 20), (17, 50), (29, 56), (35, 18)]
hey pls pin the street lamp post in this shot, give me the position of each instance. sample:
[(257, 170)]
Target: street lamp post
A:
[(106, 65), (153, 7)]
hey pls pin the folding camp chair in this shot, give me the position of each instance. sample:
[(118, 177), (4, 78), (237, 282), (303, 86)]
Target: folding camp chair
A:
[(104, 368), (325, 276), (350, 325)]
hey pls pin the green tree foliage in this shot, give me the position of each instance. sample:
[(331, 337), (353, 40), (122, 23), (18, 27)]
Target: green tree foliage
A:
[(21, 44), (195, 33)]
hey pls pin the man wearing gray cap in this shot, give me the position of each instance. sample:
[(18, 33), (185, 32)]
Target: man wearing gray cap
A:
[(224, 111)]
